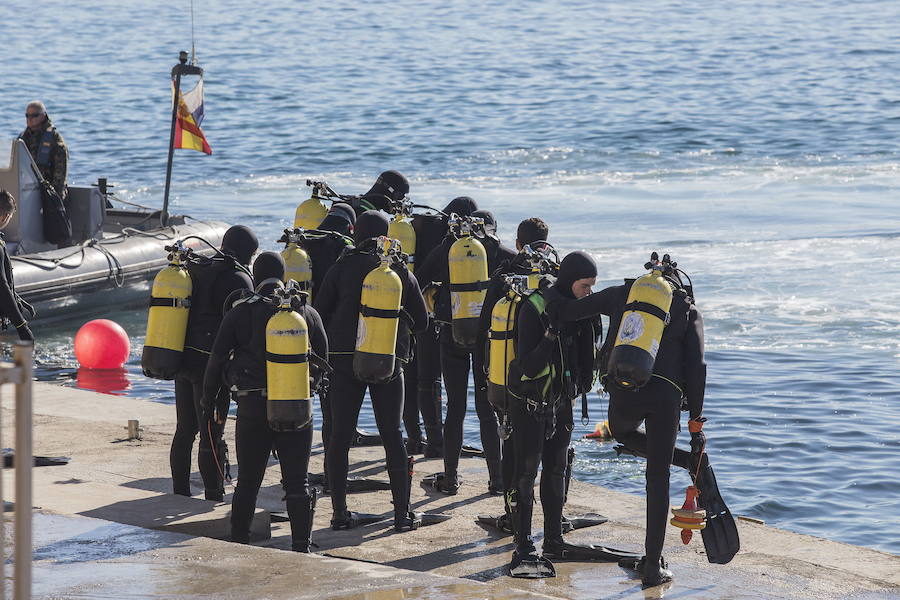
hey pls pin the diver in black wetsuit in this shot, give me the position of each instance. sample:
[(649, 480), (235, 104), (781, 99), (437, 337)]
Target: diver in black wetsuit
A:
[(390, 187), (12, 308), (678, 372), (212, 282), (243, 337), (530, 232), (423, 389), (455, 362), (323, 253), (554, 364), (338, 302)]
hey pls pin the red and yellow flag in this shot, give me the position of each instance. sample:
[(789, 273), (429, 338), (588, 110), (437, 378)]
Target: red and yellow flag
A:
[(187, 123)]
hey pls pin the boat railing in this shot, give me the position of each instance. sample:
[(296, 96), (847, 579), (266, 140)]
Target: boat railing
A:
[(19, 374)]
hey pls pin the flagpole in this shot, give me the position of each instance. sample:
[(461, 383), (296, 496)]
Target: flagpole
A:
[(182, 68)]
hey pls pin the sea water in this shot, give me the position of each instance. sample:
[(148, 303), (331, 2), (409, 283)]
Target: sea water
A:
[(754, 142)]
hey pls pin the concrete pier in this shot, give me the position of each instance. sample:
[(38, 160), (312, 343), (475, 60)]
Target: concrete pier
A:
[(107, 526)]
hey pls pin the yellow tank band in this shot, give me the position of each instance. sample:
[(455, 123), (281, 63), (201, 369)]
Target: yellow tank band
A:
[(20, 324)]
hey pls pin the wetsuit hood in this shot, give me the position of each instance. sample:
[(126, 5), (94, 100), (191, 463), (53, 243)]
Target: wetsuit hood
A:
[(490, 223), (240, 242), (576, 265), (370, 224), (268, 265), (340, 219), (464, 206), (391, 184)]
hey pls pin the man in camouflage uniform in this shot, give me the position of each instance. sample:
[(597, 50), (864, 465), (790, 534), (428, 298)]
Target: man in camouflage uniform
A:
[(46, 146)]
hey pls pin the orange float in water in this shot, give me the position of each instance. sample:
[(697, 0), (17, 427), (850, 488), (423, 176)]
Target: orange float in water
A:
[(102, 344)]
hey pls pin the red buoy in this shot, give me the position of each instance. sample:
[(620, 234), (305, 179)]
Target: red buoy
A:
[(689, 516), (102, 344)]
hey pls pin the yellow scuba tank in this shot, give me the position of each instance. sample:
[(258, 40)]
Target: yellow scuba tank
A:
[(468, 286), (379, 312), (311, 212), (643, 321), (402, 230), (502, 347), (168, 317), (289, 403), (297, 265)]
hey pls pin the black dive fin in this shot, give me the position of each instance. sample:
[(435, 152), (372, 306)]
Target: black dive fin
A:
[(531, 566), (582, 521), (501, 524), (720, 536), (278, 516), (586, 552), (427, 519), (356, 486), (364, 438)]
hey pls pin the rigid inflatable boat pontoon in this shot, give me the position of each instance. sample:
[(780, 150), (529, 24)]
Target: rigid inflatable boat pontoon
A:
[(115, 252)]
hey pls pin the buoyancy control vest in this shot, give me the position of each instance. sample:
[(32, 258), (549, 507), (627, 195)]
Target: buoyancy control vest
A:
[(378, 322), (205, 315), (571, 369), (167, 319)]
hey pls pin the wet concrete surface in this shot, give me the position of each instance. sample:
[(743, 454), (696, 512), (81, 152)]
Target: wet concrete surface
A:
[(80, 557)]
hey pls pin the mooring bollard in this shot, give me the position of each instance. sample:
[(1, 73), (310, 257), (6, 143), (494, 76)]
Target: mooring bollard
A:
[(134, 429)]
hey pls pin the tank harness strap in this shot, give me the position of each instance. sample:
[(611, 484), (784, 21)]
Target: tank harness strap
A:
[(675, 385), (368, 311), (502, 335), (651, 309), (475, 286), (43, 156), (287, 358), (170, 302)]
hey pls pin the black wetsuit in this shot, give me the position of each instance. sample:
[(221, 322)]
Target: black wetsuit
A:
[(338, 302), (679, 371), (323, 253), (212, 284), (425, 385), (11, 306), (495, 292), (542, 435), (455, 363), (243, 336)]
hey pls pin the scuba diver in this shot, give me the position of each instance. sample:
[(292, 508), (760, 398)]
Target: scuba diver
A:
[(531, 234), (554, 364), (389, 188), (455, 359), (423, 378), (244, 337), (213, 281), (324, 250), (390, 304), (642, 389)]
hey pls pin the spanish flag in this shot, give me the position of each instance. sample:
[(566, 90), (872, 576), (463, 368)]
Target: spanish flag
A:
[(187, 123)]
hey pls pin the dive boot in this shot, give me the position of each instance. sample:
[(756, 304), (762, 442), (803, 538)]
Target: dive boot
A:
[(656, 574), (300, 512), (439, 482), (352, 520), (503, 523), (559, 549), (528, 564), (408, 522)]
